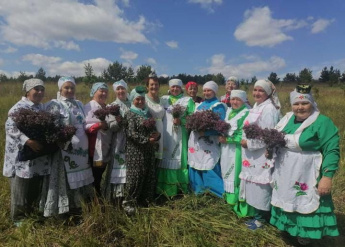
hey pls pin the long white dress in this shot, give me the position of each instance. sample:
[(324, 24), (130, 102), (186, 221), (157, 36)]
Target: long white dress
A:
[(256, 168)]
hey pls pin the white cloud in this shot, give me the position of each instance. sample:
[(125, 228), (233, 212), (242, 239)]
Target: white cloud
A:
[(151, 60), (45, 23), (246, 69), (55, 66), (67, 45), (260, 29), (320, 25), (172, 44), (128, 55), (10, 49), (207, 4)]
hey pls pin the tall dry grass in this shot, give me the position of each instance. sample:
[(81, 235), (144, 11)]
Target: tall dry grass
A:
[(186, 221)]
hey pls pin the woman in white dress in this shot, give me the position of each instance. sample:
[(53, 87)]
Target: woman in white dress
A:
[(26, 176), (116, 171), (96, 130), (157, 111), (256, 168), (70, 180)]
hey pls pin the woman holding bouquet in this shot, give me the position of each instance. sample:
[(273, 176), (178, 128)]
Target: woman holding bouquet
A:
[(231, 153), (71, 176), (173, 171), (98, 136), (141, 137), (302, 178), (256, 168), (204, 149), (26, 176), (116, 171), (156, 109)]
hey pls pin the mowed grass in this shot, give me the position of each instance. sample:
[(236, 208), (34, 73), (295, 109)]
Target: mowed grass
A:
[(185, 221)]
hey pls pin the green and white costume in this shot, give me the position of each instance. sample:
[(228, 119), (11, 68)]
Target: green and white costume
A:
[(312, 152)]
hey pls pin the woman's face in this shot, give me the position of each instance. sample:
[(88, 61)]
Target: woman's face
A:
[(68, 90), (175, 90), (259, 94), (36, 94), (236, 103), (121, 93), (153, 87), (208, 93), (230, 85), (101, 96), (192, 91), (139, 102), (302, 110)]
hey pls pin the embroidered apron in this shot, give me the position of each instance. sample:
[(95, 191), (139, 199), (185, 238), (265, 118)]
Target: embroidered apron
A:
[(172, 136), (228, 154), (296, 172), (77, 167), (203, 152)]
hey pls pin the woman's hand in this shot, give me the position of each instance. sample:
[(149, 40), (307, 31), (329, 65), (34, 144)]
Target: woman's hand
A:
[(155, 135), (177, 121), (222, 139), (34, 145), (244, 144), (103, 125), (118, 119), (325, 186)]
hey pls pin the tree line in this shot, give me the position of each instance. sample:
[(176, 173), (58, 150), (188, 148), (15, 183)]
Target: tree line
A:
[(117, 71)]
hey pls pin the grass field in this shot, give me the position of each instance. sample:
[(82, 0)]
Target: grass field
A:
[(185, 221)]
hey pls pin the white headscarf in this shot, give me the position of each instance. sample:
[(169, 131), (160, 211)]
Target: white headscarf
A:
[(121, 83), (62, 81), (175, 82), (31, 83), (302, 97), (239, 94), (211, 85)]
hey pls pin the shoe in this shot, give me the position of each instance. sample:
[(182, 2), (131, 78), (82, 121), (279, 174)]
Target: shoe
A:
[(249, 222), (255, 225), (303, 241)]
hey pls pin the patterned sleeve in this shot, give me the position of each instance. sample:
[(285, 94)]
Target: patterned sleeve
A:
[(12, 131)]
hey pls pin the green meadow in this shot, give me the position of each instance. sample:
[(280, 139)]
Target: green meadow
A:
[(188, 220)]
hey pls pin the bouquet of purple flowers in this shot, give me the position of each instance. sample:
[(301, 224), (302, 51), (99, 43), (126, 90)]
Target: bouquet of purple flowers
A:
[(206, 120), (102, 113), (177, 111), (43, 127), (149, 124), (273, 138)]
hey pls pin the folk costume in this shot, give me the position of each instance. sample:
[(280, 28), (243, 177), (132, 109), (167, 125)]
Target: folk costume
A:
[(204, 151), (173, 171), (231, 157), (26, 176), (312, 152), (70, 181)]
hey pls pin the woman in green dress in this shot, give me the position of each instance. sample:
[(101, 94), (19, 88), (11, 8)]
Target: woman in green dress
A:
[(302, 178), (231, 154), (173, 171)]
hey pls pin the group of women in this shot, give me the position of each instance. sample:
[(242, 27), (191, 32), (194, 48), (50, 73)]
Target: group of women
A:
[(142, 158)]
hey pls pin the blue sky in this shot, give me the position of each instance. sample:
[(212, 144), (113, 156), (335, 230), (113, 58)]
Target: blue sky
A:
[(240, 38)]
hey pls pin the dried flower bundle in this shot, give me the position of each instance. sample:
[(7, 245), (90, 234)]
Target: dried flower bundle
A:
[(149, 124), (273, 138), (113, 110), (101, 114), (43, 127), (206, 120), (177, 111)]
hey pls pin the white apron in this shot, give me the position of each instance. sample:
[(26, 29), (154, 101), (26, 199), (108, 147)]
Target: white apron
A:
[(228, 153), (203, 152), (172, 136), (296, 172), (76, 162)]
